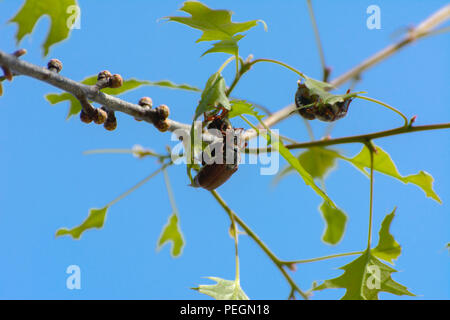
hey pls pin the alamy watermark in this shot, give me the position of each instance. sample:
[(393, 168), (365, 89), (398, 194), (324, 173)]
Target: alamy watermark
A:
[(74, 19), (213, 146), (374, 20), (73, 281)]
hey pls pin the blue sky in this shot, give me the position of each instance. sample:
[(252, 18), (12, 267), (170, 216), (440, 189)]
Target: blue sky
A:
[(47, 183)]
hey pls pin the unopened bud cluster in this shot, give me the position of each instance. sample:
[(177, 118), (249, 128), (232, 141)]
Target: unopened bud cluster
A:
[(102, 115), (161, 113)]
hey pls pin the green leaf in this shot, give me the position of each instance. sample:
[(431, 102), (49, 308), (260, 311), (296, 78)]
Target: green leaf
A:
[(169, 84), (130, 84), (295, 163), (223, 290), (384, 164), (364, 278), (1, 89), (226, 46), (321, 89), (171, 232), (335, 220), (215, 24), (95, 219), (387, 249), (59, 13), (318, 161), (213, 95), (240, 107)]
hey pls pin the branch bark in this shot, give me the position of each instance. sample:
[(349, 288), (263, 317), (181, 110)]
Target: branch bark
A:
[(20, 67)]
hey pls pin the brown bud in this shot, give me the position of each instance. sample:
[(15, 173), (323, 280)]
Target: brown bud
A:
[(105, 74), (163, 125), (55, 65), (7, 73), (146, 102), (100, 116), (86, 118), (110, 125), (116, 81), (163, 111), (111, 121), (19, 53)]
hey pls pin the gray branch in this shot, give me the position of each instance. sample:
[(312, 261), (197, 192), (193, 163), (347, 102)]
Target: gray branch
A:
[(79, 90)]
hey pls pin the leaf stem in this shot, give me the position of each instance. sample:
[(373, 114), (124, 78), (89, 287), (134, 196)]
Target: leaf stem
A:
[(226, 63), (318, 42), (138, 185), (371, 147), (170, 191), (322, 258), (281, 64), (386, 106), (260, 243)]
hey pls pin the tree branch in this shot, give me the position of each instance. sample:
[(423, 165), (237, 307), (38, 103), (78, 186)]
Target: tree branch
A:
[(425, 28), (81, 90), (363, 138)]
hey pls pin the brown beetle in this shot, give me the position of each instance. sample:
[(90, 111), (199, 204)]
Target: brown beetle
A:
[(213, 175), (319, 110)]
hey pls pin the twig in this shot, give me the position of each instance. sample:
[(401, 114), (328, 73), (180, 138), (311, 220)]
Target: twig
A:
[(359, 138), (260, 243), (426, 28), (325, 70), (81, 90), (322, 258)]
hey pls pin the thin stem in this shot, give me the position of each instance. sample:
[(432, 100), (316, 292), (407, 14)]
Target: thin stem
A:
[(138, 185), (249, 123), (226, 63), (236, 250), (287, 139), (322, 258), (371, 149), (309, 129), (359, 138), (318, 42), (139, 153), (170, 192), (260, 243), (281, 64), (386, 106)]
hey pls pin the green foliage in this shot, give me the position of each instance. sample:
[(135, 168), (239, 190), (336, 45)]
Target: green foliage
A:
[(57, 10), (364, 278), (215, 25), (295, 163), (130, 84), (239, 107), (335, 221), (95, 219), (172, 233), (277, 145), (1, 89), (318, 161), (226, 46), (321, 89), (213, 95), (171, 85), (223, 289), (384, 164), (387, 249)]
